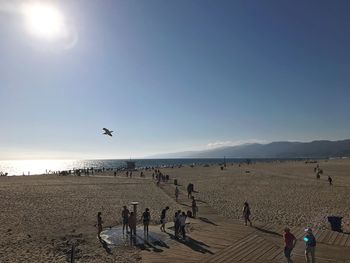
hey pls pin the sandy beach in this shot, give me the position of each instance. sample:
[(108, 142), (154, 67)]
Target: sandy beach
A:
[(42, 215)]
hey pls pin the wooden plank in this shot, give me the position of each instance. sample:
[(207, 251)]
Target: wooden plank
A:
[(340, 239), (258, 252), (347, 244), (222, 253), (232, 252), (332, 237), (248, 250), (343, 240), (275, 254), (325, 237)]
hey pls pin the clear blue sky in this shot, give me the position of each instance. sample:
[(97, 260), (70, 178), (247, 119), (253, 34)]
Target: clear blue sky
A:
[(175, 75)]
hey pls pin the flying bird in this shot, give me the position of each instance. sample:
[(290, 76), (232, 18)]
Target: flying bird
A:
[(107, 132)]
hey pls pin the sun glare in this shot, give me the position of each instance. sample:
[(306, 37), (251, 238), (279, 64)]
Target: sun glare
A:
[(44, 20)]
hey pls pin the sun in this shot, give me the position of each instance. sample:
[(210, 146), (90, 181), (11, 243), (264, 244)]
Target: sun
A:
[(44, 20)]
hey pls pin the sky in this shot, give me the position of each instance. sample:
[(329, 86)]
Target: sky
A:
[(171, 76)]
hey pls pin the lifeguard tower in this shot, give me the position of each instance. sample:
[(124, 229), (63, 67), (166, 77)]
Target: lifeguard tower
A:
[(130, 165)]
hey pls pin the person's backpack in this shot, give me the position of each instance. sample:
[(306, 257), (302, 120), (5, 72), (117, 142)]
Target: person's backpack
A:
[(311, 241)]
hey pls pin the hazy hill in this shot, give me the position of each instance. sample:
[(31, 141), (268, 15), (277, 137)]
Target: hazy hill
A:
[(315, 149)]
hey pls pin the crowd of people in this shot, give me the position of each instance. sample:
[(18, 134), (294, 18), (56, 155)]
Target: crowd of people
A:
[(129, 222)]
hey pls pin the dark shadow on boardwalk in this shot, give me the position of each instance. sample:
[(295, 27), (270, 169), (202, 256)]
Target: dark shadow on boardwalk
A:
[(150, 242), (268, 231), (206, 220), (105, 246), (185, 205), (193, 244)]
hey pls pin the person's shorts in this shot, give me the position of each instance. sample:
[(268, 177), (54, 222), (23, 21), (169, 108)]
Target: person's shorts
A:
[(163, 221), (125, 221), (287, 252)]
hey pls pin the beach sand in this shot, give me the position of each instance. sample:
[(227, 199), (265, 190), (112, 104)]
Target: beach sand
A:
[(286, 193), (41, 215)]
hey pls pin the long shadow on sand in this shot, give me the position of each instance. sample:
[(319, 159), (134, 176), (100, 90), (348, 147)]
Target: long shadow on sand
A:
[(206, 220), (268, 231), (193, 244)]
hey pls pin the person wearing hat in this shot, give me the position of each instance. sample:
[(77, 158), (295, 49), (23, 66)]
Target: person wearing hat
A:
[(310, 245), (289, 244)]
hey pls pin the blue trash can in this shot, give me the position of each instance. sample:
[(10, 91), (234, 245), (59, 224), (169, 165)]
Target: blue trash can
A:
[(335, 222)]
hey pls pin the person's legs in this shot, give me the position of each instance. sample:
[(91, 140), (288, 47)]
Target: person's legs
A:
[(312, 252), (307, 259), (287, 253), (183, 232)]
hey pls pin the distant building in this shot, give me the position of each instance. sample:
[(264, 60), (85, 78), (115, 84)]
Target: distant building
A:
[(130, 165)]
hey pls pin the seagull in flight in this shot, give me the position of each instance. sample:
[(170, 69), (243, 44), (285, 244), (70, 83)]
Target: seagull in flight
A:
[(107, 132)]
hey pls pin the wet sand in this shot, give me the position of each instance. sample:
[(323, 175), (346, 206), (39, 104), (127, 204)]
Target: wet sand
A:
[(42, 215)]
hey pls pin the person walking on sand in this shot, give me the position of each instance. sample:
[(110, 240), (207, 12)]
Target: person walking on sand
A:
[(310, 245), (163, 219), (246, 213), (132, 224), (176, 193), (99, 224), (146, 218), (183, 224), (289, 244), (125, 218), (330, 180), (189, 190), (194, 207)]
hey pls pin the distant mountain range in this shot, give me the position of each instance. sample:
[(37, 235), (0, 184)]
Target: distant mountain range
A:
[(314, 149)]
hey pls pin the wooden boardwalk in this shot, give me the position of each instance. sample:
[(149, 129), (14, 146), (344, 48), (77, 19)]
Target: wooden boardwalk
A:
[(216, 239)]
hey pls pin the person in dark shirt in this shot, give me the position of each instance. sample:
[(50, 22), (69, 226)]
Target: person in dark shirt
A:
[(310, 245), (146, 218), (330, 180), (289, 244), (246, 213), (125, 218)]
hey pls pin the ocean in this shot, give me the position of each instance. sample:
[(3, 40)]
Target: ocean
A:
[(31, 167)]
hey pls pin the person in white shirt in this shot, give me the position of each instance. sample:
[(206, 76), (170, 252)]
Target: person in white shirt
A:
[(183, 224)]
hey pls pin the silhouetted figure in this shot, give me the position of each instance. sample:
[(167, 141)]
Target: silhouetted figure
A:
[(176, 224), (163, 219), (310, 246), (289, 244), (99, 224), (125, 218), (146, 218), (183, 224), (132, 224), (246, 213), (194, 207), (330, 180), (190, 188), (176, 193)]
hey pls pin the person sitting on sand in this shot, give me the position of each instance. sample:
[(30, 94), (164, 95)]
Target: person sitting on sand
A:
[(310, 245), (289, 244), (132, 223), (194, 207), (146, 218), (99, 224), (163, 219), (176, 193), (125, 218), (246, 213)]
